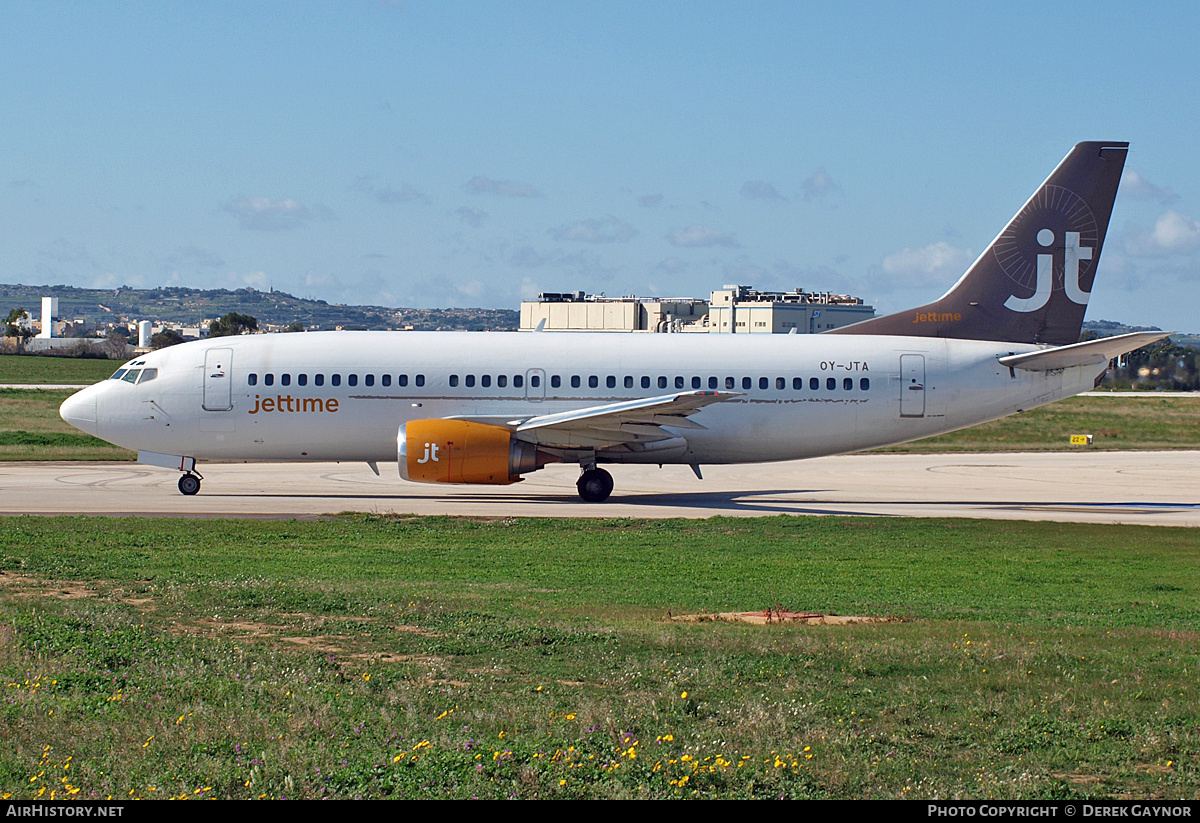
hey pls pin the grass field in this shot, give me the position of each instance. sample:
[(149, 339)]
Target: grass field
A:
[(31, 429), (1115, 423), (437, 657), (69, 370)]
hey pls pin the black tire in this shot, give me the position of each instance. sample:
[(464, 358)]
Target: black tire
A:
[(595, 485), (189, 484)]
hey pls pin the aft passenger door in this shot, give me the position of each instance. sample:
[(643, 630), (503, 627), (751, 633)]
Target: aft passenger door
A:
[(912, 385), (218, 380)]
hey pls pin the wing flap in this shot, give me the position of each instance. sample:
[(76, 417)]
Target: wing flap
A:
[(631, 421)]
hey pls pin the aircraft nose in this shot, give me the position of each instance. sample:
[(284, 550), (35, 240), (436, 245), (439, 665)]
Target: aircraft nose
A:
[(80, 411)]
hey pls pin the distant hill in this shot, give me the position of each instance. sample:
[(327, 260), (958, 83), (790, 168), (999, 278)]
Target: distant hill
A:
[(188, 307)]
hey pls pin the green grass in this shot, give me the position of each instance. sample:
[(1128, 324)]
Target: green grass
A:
[(31, 429), (33, 369), (1148, 423), (438, 657)]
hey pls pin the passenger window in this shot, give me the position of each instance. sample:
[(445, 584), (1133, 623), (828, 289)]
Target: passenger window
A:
[(420, 380), (535, 381), (814, 383), (352, 380), (864, 384), (519, 381), (574, 381), (335, 380), (386, 380), (369, 380), (251, 379), (611, 381), (830, 383), (763, 383), (730, 383), (454, 380), (662, 382), (501, 381), (695, 382), (285, 379), (555, 381), (797, 383), (712, 382), (485, 381), (679, 381), (780, 383), (302, 379), (848, 383), (269, 379), (593, 382), (629, 381), (319, 379), (402, 380), (645, 382), (746, 383), (470, 381)]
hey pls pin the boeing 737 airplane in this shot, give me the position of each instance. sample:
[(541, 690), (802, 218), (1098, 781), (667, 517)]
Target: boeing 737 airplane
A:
[(489, 408)]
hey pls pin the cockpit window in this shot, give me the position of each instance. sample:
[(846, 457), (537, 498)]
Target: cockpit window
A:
[(131, 376), (148, 375), (118, 374)]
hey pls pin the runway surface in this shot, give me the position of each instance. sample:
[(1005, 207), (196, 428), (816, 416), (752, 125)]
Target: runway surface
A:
[(1152, 488)]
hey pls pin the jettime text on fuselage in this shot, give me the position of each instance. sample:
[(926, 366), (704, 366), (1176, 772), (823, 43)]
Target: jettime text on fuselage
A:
[(287, 404)]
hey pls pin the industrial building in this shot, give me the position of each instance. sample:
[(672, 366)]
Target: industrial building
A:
[(731, 310)]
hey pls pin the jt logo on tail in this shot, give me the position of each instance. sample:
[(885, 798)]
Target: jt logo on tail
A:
[(1073, 254), (1032, 284)]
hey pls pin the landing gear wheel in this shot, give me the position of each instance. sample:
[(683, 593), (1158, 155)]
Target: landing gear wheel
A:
[(595, 485), (189, 484)]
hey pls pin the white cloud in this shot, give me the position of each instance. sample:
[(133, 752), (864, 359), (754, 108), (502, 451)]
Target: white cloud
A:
[(934, 264), (818, 185), (1173, 233), (1134, 185), (596, 230), (265, 214), (407, 193), (504, 188), (696, 236), (761, 190), (472, 217)]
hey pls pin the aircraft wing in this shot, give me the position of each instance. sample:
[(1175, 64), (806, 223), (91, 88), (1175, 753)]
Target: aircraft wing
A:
[(615, 424), (1090, 353)]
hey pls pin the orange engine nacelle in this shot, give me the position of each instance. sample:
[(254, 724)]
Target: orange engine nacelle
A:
[(461, 451)]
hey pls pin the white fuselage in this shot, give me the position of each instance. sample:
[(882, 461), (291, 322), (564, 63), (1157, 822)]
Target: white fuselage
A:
[(259, 397)]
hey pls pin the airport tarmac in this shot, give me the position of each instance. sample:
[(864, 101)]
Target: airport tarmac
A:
[(1150, 488)]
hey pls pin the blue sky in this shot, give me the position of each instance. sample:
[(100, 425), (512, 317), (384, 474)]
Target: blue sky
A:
[(476, 153)]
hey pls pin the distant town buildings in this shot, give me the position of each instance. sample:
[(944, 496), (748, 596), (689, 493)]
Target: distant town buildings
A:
[(733, 309)]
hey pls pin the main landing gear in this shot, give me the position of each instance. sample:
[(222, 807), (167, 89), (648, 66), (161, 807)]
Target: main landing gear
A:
[(595, 485), (189, 483)]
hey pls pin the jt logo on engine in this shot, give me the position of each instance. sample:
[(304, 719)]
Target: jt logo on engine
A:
[(1073, 254), (431, 450)]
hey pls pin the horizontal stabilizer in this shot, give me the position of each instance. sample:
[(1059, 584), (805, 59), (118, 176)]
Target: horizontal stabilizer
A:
[(1090, 353)]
